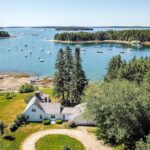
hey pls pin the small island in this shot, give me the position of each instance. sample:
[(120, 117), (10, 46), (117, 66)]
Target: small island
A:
[(111, 36), (73, 28), (4, 34)]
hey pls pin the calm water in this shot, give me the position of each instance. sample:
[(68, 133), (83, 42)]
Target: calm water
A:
[(13, 59)]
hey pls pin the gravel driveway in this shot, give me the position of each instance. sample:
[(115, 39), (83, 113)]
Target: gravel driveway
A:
[(88, 140)]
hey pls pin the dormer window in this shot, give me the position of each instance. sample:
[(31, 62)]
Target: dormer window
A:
[(33, 110)]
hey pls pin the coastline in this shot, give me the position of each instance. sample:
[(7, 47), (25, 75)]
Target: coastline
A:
[(11, 81), (101, 42), (8, 37)]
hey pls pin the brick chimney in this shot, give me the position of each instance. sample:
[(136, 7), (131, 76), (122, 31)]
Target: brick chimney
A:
[(38, 94)]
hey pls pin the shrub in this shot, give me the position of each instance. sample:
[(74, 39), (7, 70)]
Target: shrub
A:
[(120, 147), (2, 127), (9, 95), (66, 147), (143, 144), (8, 137), (13, 127), (20, 119), (59, 121), (71, 124), (46, 122), (28, 98), (26, 88)]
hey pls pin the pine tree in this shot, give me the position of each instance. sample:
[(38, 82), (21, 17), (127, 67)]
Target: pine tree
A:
[(113, 68), (68, 70), (59, 75), (79, 80)]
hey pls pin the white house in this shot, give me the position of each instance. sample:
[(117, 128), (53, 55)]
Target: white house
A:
[(40, 108)]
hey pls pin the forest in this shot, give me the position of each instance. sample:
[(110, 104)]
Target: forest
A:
[(73, 28), (124, 35), (4, 34), (121, 104)]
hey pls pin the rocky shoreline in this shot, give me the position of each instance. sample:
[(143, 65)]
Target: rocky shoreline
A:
[(12, 81), (102, 42)]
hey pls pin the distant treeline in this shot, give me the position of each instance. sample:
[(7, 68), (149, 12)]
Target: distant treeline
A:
[(4, 34), (73, 28), (124, 35)]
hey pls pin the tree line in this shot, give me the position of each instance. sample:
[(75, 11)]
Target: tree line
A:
[(121, 105), (133, 71), (4, 34), (124, 35), (70, 79), (73, 28)]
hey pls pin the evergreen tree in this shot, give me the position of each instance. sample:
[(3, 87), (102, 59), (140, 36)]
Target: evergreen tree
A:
[(113, 68), (79, 80), (59, 75), (68, 70)]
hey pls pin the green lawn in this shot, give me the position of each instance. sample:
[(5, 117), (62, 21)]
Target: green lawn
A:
[(8, 111), (57, 142)]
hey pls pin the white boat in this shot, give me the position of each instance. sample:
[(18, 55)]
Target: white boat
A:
[(49, 52), (99, 52), (35, 34), (41, 60), (128, 50), (26, 56), (122, 52), (82, 49), (30, 52)]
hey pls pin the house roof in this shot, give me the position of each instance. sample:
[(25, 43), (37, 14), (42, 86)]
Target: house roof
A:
[(78, 110), (68, 110), (51, 108), (45, 106), (54, 108), (32, 101), (43, 96)]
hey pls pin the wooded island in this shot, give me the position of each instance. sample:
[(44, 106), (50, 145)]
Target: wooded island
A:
[(73, 28), (102, 36), (4, 34)]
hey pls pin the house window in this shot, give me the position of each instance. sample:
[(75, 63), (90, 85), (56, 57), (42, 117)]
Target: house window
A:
[(40, 116), (63, 117), (33, 110), (27, 116), (52, 116)]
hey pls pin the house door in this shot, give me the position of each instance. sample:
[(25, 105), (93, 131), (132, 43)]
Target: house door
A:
[(64, 117)]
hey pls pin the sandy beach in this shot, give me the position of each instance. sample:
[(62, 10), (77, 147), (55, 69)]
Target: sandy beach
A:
[(12, 81)]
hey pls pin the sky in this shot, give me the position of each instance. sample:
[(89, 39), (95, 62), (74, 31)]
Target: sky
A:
[(75, 12)]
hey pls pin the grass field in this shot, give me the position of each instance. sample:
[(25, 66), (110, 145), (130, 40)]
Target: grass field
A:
[(57, 142), (8, 111)]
